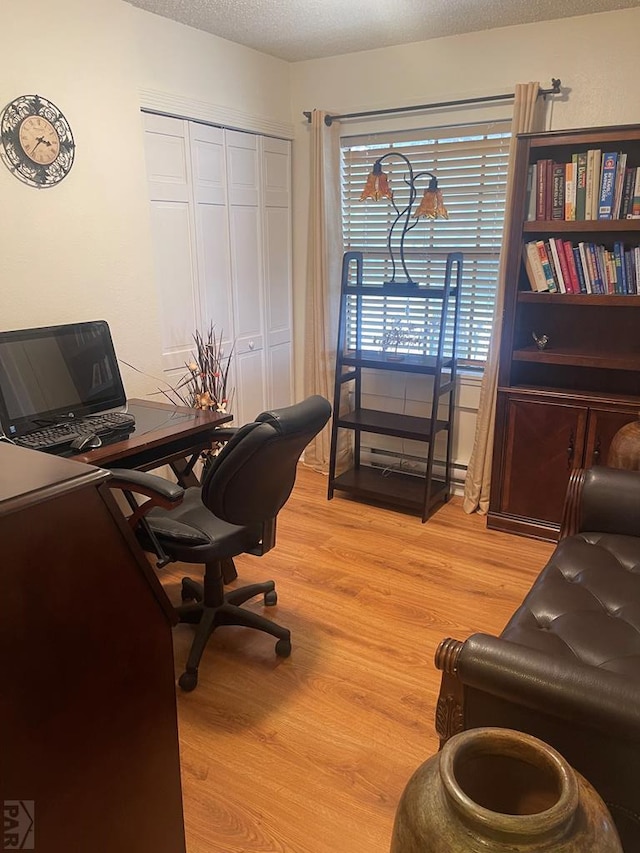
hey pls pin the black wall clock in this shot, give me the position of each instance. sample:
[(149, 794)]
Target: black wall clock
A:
[(36, 141)]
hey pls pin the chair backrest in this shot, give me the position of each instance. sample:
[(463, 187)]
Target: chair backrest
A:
[(253, 475)]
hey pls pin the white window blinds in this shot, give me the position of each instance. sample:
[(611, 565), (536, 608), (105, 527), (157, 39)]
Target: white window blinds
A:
[(470, 163)]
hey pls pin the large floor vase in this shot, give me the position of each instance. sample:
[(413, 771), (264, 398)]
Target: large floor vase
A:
[(496, 790)]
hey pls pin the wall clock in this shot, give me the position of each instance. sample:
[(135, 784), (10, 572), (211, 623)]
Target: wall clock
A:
[(36, 142)]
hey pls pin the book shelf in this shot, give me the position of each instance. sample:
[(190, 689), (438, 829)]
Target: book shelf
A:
[(558, 407), (421, 491)]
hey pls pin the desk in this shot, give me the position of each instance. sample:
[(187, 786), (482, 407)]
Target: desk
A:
[(164, 435), (88, 723)]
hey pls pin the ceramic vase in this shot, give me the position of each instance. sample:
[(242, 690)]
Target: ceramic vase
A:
[(495, 790)]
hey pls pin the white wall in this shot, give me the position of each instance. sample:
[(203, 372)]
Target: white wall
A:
[(81, 250), (595, 56)]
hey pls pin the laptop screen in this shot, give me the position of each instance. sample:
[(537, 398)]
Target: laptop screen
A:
[(53, 373)]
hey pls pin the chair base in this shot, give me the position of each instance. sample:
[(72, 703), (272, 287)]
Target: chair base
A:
[(228, 612)]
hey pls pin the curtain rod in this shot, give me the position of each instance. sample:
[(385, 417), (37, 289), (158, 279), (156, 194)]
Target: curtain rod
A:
[(329, 119)]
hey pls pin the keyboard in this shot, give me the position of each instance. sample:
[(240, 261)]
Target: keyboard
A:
[(58, 437)]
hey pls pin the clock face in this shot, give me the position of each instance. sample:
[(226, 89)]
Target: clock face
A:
[(36, 141)]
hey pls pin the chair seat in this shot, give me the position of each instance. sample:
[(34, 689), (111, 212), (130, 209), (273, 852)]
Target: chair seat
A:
[(192, 526)]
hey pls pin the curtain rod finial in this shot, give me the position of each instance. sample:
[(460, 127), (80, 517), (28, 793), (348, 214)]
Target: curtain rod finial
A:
[(555, 84), (307, 115)]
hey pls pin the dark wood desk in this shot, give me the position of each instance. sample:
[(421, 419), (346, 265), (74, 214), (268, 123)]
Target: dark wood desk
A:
[(164, 435), (88, 723)]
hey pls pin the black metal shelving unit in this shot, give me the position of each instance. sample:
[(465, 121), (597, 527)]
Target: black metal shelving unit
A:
[(416, 492)]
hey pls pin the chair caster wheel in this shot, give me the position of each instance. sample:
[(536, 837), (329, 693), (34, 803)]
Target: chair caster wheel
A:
[(189, 591), (283, 648), (271, 598), (188, 681)]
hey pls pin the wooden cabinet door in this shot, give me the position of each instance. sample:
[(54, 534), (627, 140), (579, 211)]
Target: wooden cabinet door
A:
[(544, 441), (603, 425)]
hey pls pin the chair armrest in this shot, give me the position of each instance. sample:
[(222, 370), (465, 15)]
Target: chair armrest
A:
[(603, 500), (598, 698), (163, 492), (224, 433)]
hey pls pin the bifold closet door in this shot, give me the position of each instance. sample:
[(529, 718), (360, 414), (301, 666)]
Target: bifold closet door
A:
[(247, 275), (169, 180)]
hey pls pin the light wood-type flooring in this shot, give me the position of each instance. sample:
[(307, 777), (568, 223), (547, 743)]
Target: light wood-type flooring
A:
[(310, 754)]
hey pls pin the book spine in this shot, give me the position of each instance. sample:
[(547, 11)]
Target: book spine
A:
[(635, 201), (597, 172), (577, 260), (557, 191), (635, 263), (621, 169), (627, 192), (554, 263), (546, 266), (588, 201), (594, 272), (581, 184), (532, 182), (533, 267), (607, 185), (548, 198), (618, 258), (562, 270), (541, 188), (566, 251), (587, 267), (570, 189)]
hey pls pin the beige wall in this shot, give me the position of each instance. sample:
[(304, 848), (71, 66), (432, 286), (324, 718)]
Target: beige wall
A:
[(595, 56), (82, 250)]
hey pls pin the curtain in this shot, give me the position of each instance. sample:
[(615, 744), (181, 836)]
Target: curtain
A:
[(324, 264), (527, 117)]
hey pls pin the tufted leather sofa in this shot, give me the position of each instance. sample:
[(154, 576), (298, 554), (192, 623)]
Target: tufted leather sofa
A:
[(566, 668)]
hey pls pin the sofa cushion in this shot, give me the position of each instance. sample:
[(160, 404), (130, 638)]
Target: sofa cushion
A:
[(585, 604)]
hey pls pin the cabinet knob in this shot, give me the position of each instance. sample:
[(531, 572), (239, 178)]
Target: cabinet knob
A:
[(252, 344), (596, 451)]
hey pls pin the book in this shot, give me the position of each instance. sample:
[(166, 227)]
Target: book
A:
[(586, 267), (570, 261), (593, 183), (554, 263), (627, 191), (577, 261), (597, 285), (607, 185), (552, 287), (557, 190), (581, 184), (621, 169), (570, 189), (533, 267), (541, 189), (621, 275), (635, 201), (559, 265), (532, 182)]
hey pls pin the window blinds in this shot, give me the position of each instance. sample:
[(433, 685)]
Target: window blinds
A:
[(470, 163)]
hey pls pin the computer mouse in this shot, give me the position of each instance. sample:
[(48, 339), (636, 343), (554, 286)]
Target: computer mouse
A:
[(86, 442)]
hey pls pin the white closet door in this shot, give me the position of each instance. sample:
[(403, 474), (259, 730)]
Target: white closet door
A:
[(173, 235), (276, 181), (212, 229), (246, 272)]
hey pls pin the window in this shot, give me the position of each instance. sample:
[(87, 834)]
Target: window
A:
[(470, 163)]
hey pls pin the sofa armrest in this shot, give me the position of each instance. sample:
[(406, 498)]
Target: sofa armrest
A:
[(603, 500), (598, 698)]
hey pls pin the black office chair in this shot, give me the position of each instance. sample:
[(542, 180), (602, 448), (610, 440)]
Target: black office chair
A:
[(233, 512)]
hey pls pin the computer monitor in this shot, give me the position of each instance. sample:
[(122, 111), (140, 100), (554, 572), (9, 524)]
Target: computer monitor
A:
[(50, 374)]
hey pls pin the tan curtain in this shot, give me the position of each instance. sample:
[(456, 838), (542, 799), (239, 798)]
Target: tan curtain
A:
[(527, 117), (324, 263)]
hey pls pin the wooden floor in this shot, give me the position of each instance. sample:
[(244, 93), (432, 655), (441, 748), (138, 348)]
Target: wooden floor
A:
[(310, 754)]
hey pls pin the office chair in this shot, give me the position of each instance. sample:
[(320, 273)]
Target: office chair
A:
[(233, 512)]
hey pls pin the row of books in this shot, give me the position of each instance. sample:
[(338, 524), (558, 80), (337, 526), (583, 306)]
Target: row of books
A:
[(593, 185), (557, 266)]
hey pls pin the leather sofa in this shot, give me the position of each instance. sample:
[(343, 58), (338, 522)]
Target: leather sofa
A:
[(566, 668)]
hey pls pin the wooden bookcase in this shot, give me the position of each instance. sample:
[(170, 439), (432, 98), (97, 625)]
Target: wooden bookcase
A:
[(420, 493), (558, 408)]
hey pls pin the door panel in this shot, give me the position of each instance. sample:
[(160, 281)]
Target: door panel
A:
[(279, 376), (276, 172), (250, 396), (544, 441)]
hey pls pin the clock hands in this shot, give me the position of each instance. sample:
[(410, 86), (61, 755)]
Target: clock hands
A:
[(41, 141)]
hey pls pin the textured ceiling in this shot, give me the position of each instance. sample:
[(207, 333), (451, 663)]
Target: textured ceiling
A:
[(308, 29)]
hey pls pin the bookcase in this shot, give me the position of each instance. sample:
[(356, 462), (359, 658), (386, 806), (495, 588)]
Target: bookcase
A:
[(434, 313), (569, 372)]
